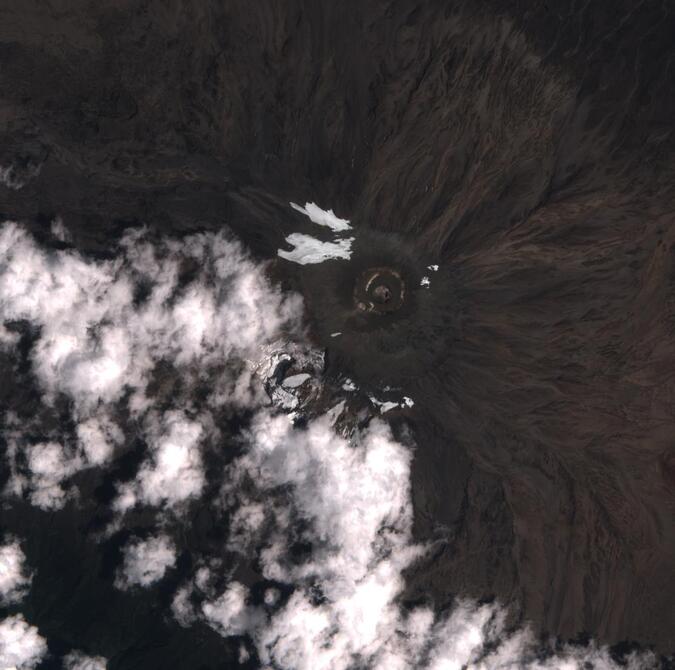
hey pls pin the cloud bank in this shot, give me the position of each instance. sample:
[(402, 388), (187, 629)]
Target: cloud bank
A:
[(105, 326), (326, 516), (99, 338), (351, 499)]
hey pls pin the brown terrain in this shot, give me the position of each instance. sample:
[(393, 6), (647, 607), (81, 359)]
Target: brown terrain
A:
[(526, 148)]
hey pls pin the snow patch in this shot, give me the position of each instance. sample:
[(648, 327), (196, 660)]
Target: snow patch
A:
[(349, 385), (309, 251), (322, 217), (387, 405), (294, 381)]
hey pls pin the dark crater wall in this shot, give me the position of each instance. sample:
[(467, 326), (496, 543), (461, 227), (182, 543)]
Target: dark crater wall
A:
[(524, 147)]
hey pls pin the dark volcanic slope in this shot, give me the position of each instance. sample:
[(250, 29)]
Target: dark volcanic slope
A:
[(525, 147)]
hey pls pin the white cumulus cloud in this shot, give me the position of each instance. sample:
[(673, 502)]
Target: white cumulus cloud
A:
[(21, 645), (14, 576), (173, 472), (76, 660), (97, 437), (49, 464), (230, 614), (146, 562)]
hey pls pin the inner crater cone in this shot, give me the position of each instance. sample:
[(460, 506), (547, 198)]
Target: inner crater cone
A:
[(380, 290)]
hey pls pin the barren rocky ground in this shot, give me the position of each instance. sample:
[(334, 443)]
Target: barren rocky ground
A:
[(525, 148)]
